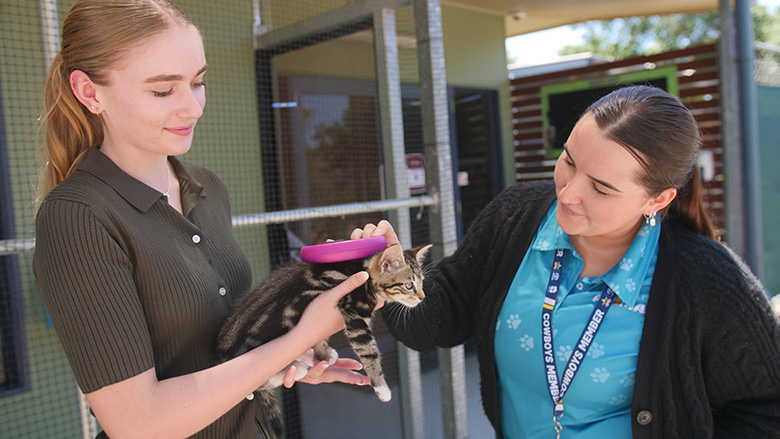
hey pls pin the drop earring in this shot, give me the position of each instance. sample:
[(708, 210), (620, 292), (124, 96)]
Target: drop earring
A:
[(650, 219)]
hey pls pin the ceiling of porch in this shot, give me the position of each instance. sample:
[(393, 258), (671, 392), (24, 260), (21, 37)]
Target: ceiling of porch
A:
[(524, 16)]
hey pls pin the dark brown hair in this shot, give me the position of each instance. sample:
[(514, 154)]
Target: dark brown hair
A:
[(95, 36), (660, 132)]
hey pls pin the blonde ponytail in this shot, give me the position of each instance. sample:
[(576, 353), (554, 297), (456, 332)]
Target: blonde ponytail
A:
[(70, 129)]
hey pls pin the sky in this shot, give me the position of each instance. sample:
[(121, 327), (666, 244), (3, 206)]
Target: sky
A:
[(542, 47)]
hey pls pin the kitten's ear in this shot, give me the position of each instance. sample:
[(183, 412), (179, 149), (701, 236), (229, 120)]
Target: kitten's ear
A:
[(391, 259), (420, 253)]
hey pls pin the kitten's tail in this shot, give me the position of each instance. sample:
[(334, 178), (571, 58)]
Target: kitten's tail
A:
[(273, 416)]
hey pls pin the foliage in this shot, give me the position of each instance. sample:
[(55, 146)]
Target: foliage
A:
[(634, 36), (766, 26)]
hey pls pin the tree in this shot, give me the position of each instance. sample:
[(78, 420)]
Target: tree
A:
[(628, 37), (766, 26)]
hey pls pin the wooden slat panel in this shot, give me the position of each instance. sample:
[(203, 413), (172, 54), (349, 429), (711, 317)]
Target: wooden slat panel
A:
[(702, 60)]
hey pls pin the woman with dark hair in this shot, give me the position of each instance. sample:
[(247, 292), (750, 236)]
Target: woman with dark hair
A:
[(135, 253), (601, 303)]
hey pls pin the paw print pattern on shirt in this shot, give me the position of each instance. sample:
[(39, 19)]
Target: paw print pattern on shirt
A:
[(619, 400), (600, 375), (628, 380), (630, 285), (527, 342), (513, 321), (596, 350), (564, 352), (626, 264)]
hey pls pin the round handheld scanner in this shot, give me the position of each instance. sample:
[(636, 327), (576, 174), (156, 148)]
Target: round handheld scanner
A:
[(340, 251)]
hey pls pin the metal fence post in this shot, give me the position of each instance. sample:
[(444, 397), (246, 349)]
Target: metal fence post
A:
[(439, 179), (731, 133), (396, 186)]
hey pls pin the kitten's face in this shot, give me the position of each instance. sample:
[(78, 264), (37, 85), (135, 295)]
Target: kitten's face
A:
[(397, 275)]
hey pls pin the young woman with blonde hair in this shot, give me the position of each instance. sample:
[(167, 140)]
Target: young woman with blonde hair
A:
[(135, 253)]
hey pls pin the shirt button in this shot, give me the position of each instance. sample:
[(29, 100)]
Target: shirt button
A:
[(196, 238), (580, 286), (222, 291), (251, 396), (644, 417)]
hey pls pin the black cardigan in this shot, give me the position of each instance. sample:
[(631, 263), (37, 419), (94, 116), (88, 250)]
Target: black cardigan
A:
[(709, 357)]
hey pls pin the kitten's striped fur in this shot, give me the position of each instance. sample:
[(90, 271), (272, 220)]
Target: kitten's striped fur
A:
[(275, 306)]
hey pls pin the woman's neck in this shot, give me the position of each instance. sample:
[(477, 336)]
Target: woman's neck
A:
[(601, 253), (151, 169)]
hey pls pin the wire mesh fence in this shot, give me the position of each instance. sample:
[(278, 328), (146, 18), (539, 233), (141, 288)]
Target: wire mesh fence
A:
[(302, 116)]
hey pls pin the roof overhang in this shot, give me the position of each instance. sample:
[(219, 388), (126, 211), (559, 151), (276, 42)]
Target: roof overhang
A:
[(525, 16)]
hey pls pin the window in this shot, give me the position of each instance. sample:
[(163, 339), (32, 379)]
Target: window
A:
[(562, 104)]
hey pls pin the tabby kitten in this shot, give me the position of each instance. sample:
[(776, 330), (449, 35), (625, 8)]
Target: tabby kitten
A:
[(276, 305)]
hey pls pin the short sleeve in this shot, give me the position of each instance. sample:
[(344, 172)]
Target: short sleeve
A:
[(86, 279)]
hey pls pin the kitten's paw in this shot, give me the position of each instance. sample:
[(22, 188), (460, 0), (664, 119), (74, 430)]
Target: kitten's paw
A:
[(383, 392), (301, 369), (276, 380), (333, 357)]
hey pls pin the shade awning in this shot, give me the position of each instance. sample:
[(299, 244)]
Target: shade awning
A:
[(525, 16)]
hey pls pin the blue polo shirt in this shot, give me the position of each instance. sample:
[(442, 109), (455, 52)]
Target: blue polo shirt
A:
[(598, 402)]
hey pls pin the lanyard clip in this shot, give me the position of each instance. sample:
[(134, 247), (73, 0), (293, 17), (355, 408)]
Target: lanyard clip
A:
[(557, 416)]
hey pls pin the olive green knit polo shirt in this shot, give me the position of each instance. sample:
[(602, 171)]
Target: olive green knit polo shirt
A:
[(132, 284)]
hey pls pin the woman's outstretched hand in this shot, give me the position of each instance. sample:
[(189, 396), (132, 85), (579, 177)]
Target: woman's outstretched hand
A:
[(342, 371)]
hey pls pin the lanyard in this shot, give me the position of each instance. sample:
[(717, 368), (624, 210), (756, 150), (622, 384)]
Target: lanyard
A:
[(556, 389)]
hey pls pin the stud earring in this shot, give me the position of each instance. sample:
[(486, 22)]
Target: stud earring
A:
[(650, 219)]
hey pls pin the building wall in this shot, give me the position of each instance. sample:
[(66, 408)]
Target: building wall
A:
[(475, 56)]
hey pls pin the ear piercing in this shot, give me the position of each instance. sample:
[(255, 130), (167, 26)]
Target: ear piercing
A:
[(91, 107), (650, 219)]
